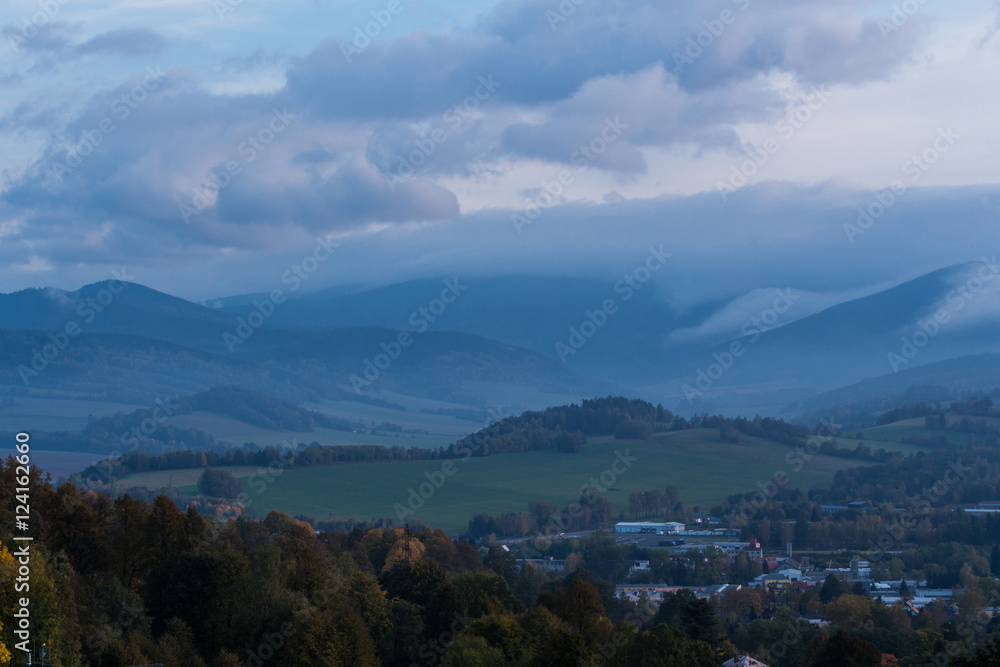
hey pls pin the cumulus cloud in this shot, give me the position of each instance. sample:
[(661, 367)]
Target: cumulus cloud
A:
[(727, 322), (124, 41), (361, 121), (419, 74), (55, 41), (651, 108)]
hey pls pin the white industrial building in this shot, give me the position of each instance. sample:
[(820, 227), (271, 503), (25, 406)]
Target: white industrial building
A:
[(648, 528)]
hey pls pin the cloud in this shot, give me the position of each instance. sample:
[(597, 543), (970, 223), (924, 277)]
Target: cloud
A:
[(418, 74), (358, 121), (992, 30), (259, 59), (53, 43), (49, 38), (133, 162), (124, 41), (727, 322), (975, 295), (653, 110)]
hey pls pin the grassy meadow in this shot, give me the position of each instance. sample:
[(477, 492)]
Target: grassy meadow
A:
[(705, 469), (56, 414)]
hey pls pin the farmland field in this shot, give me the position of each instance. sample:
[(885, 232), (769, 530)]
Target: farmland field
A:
[(55, 414), (184, 478), (227, 429), (441, 430), (58, 464), (705, 469), (907, 428), (904, 448)]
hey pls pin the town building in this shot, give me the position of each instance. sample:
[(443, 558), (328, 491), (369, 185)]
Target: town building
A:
[(648, 528), (657, 592), (743, 661), (546, 564)]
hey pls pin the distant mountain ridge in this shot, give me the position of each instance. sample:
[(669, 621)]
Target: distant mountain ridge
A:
[(865, 337), (506, 330), (974, 372), (294, 365)]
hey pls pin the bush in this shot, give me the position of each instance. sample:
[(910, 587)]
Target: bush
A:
[(634, 429), (219, 484)]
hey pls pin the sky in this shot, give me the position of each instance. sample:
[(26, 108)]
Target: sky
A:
[(205, 146)]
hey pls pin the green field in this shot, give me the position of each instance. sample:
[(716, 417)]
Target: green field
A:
[(441, 430), (57, 464), (955, 419), (70, 414), (55, 414), (510, 399), (186, 478), (903, 448), (704, 468), (227, 429), (890, 436)]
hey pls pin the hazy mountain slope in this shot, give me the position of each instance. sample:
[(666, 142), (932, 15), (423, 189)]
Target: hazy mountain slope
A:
[(296, 365), (434, 364), (131, 369), (534, 313), (117, 307), (543, 332), (854, 340), (530, 313), (981, 371)]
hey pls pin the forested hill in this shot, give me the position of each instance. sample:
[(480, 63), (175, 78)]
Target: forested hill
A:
[(562, 428), (252, 407), (565, 427), (149, 429)]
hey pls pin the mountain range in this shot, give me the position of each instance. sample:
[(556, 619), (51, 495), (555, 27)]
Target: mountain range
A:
[(470, 340)]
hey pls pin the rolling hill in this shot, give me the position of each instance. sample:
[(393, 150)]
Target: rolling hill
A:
[(501, 335)]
